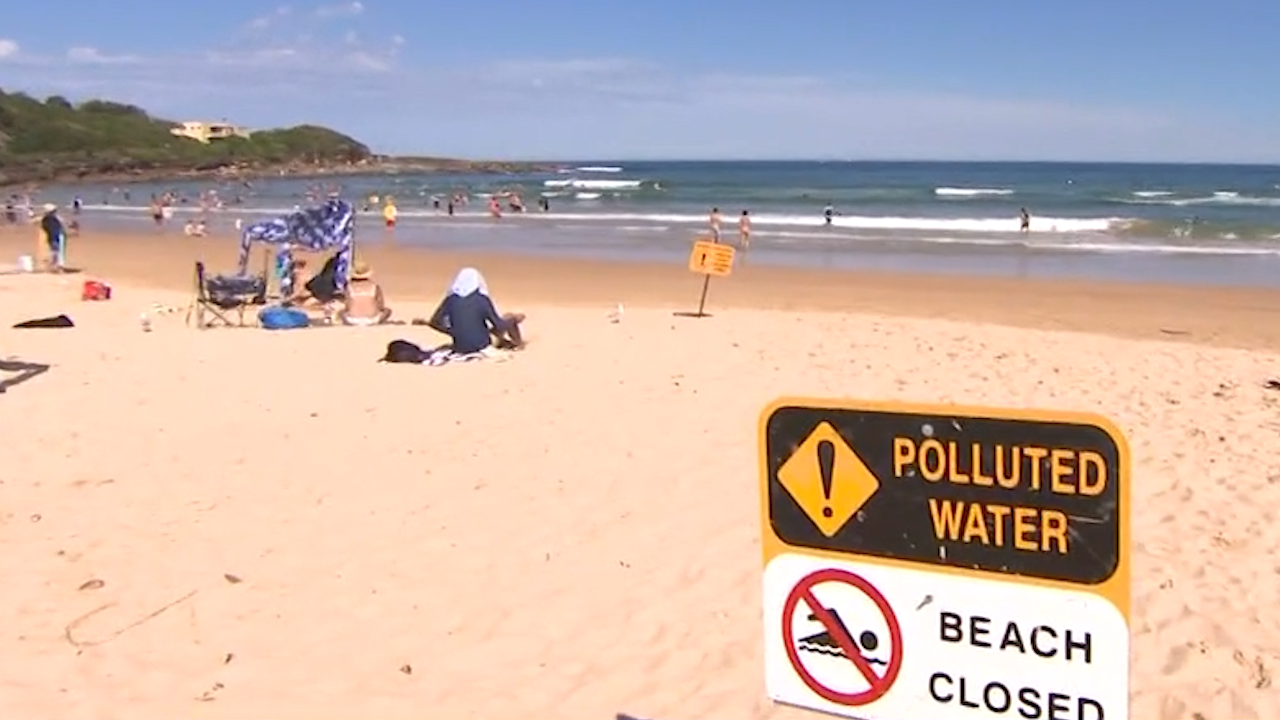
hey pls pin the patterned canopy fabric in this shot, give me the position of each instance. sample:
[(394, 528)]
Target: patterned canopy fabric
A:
[(330, 226)]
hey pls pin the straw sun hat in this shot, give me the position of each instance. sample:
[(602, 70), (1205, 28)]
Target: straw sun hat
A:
[(360, 270)]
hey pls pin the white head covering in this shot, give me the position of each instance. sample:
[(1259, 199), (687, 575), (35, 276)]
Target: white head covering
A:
[(468, 281)]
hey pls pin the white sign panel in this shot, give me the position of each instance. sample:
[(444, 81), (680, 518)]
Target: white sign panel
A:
[(885, 643)]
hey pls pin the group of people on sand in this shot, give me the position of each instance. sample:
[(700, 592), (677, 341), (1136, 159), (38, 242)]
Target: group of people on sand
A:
[(467, 314)]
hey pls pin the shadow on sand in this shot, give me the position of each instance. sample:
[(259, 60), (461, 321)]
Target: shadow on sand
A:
[(24, 372)]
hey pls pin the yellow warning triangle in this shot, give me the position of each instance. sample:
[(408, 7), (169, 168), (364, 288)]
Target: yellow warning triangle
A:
[(827, 479)]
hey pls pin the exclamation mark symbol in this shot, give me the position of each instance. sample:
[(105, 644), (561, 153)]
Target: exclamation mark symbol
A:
[(827, 467)]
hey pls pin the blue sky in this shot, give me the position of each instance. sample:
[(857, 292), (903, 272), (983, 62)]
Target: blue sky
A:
[(917, 79)]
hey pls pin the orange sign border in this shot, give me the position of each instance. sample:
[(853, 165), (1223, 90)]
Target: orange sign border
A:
[(1117, 589)]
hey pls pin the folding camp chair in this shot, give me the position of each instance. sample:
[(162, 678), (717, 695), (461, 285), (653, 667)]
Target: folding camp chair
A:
[(216, 297)]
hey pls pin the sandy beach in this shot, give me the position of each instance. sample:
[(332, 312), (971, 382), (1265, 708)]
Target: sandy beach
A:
[(237, 523)]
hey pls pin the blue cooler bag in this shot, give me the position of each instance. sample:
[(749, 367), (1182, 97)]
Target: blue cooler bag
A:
[(282, 318)]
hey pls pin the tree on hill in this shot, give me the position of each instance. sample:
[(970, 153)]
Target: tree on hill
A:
[(51, 138)]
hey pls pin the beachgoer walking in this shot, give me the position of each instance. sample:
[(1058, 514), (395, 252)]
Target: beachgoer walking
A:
[(55, 236), (157, 211), (389, 213), (744, 229), (714, 222)]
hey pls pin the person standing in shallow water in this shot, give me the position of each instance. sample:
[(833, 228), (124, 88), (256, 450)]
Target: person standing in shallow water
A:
[(1024, 219), (744, 230), (714, 222)]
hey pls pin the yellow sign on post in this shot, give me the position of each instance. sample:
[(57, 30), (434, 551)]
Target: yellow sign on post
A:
[(941, 561), (709, 258)]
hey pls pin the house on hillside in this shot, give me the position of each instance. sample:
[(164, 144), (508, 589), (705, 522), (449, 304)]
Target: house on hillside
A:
[(206, 132)]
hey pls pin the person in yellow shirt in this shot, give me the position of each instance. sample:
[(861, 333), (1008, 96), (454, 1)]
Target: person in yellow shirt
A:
[(389, 213)]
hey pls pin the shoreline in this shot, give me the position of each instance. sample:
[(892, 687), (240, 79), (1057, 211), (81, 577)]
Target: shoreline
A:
[(293, 170), (666, 240), (1239, 317)]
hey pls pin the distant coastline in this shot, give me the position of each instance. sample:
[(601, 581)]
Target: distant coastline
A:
[(55, 141)]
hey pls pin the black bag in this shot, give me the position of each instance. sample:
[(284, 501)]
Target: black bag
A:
[(403, 351), (58, 321)]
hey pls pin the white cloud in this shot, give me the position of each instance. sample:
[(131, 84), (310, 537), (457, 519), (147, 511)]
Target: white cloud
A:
[(369, 61), (347, 9), (263, 22), (261, 58), (8, 49), (93, 56)]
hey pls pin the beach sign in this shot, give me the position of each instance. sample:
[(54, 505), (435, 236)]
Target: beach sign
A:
[(945, 562), (709, 258)]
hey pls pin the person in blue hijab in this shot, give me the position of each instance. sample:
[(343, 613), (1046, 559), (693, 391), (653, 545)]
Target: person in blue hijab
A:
[(468, 316)]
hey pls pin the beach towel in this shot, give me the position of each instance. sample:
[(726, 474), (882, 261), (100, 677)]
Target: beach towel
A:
[(330, 226), (445, 356)]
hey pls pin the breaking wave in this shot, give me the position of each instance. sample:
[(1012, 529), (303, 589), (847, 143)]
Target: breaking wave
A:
[(579, 184), (953, 192)]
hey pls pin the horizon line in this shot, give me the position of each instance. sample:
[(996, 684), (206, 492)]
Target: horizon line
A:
[(840, 161)]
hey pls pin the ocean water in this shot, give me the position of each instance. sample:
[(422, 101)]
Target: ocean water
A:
[(1194, 223)]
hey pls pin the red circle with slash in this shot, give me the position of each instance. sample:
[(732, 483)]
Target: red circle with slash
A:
[(803, 593)]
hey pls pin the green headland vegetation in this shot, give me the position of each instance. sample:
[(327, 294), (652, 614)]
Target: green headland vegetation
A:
[(52, 139)]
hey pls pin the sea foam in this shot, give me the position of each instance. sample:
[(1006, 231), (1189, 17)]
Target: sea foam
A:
[(579, 184), (954, 192)]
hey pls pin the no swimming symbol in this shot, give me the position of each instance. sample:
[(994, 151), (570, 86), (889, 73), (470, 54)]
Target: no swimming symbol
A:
[(844, 665)]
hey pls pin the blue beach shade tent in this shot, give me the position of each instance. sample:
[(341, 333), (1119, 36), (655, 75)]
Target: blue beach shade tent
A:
[(330, 226)]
